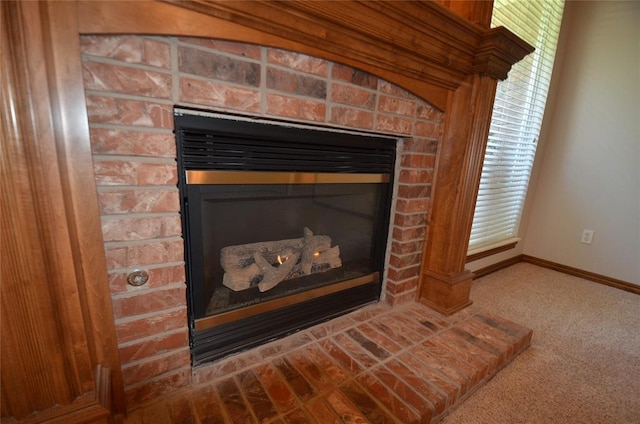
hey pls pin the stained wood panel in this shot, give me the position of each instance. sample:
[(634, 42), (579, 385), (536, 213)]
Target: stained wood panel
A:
[(48, 363)]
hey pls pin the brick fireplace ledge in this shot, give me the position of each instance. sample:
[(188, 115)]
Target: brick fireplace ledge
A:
[(406, 364)]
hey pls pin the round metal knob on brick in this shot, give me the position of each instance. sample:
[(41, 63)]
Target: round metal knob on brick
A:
[(138, 277)]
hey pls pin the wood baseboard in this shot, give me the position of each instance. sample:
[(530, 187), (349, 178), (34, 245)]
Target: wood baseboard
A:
[(497, 266), (587, 275)]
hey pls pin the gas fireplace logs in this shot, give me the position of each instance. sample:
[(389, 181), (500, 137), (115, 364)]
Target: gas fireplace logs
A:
[(266, 264)]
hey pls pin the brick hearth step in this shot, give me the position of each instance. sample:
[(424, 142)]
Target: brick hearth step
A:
[(380, 364)]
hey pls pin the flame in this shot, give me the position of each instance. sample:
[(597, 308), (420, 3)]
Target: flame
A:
[(316, 254), (280, 261)]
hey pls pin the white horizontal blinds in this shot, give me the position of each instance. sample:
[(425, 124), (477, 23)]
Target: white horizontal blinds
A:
[(516, 121)]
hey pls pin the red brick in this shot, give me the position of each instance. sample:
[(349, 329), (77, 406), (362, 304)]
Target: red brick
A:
[(348, 117), (128, 227), (280, 393), (426, 111), (302, 85), (404, 273), (130, 49), (218, 67), (446, 386), (407, 247), (147, 390), (345, 360), (138, 201), (399, 287), (135, 255), (321, 412), (181, 409), (158, 344), (226, 367), (353, 96), (157, 174), (103, 109), (405, 260), (256, 396), (409, 220), (237, 409), (378, 338), (314, 374), (394, 124), (405, 392), (413, 191), (355, 351), (397, 106), (353, 76), (299, 62), (421, 145), (343, 408), (301, 387), (112, 141), (401, 298), (299, 416), (208, 406), (294, 107), (145, 301), (336, 373), (126, 80), (408, 233), (132, 329), (428, 129), (388, 88), (240, 49), (389, 399), (155, 366), (413, 205), (420, 384), (115, 172), (414, 176), (213, 93)]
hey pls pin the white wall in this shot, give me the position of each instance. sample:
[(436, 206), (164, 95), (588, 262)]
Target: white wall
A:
[(588, 171)]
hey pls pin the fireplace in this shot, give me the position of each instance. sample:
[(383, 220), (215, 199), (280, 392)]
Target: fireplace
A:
[(285, 226)]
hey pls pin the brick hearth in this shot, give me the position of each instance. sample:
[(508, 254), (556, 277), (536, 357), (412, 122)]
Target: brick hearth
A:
[(406, 364)]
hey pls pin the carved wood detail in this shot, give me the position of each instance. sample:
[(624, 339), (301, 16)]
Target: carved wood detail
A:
[(57, 322), (50, 213)]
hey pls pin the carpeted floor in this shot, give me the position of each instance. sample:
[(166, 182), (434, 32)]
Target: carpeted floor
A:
[(583, 365)]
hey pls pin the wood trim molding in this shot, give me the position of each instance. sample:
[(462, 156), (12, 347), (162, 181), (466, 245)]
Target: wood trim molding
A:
[(491, 252), (497, 266), (576, 272), (587, 275)]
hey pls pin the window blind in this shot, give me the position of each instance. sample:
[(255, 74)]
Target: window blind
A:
[(516, 121)]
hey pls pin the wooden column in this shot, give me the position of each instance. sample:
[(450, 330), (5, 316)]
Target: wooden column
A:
[(445, 284)]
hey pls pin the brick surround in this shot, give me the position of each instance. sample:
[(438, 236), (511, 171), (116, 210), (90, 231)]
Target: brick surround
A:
[(132, 84), (402, 365)]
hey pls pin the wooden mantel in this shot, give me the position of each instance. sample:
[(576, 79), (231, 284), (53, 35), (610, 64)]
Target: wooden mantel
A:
[(451, 60)]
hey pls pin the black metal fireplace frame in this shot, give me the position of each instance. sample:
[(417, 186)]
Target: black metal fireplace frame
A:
[(207, 141)]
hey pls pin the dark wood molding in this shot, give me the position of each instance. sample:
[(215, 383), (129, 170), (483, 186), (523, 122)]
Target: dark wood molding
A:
[(587, 275), (457, 177), (576, 272), (491, 252), (497, 266), (57, 320)]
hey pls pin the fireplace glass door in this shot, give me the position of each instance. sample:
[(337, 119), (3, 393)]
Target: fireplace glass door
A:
[(284, 227)]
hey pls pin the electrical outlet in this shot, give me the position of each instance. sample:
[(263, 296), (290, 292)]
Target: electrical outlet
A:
[(587, 237)]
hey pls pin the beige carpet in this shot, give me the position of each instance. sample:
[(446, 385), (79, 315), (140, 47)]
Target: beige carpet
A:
[(583, 365)]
